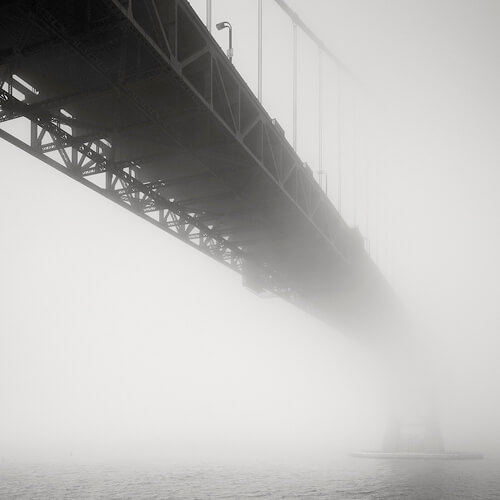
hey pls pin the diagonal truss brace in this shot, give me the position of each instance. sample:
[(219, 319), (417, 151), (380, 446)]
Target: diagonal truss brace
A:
[(81, 159)]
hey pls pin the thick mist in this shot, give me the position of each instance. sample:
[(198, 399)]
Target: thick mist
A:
[(120, 342)]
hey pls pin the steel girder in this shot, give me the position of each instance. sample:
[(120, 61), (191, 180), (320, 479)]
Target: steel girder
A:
[(90, 155), (244, 150), (205, 69), (79, 159)]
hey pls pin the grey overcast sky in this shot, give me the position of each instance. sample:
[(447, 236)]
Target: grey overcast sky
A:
[(116, 339)]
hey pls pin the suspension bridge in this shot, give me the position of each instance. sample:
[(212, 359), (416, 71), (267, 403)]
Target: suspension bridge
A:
[(138, 102)]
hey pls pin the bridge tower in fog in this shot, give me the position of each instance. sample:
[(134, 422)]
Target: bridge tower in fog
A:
[(413, 427)]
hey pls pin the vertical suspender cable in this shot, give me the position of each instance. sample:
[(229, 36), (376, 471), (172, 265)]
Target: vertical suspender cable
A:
[(339, 138), (321, 172), (209, 15), (260, 52), (377, 208), (295, 86), (354, 160), (367, 205)]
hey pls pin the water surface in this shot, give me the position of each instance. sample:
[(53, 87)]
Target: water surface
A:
[(349, 478)]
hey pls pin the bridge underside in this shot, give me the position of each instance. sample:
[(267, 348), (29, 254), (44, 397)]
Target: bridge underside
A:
[(138, 102)]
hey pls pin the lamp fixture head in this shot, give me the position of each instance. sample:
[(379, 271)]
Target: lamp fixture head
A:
[(224, 24)]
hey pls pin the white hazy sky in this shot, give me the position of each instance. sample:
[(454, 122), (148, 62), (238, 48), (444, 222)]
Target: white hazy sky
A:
[(118, 340)]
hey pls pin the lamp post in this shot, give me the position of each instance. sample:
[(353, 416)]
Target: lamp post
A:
[(259, 57), (209, 15), (221, 26)]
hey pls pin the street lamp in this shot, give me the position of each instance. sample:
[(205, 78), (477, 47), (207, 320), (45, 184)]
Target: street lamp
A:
[(221, 26)]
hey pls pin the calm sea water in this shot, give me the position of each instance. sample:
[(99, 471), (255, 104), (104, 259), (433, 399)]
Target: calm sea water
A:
[(349, 478)]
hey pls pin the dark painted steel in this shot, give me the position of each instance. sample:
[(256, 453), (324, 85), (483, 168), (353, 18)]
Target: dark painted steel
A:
[(138, 102)]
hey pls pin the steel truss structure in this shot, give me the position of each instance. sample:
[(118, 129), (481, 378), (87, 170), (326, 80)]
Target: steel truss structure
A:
[(81, 158), (136, 100)]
